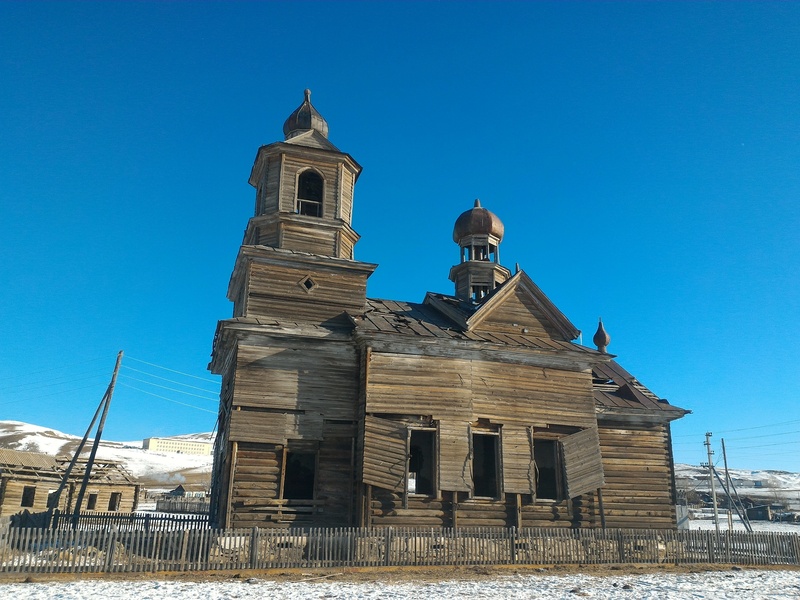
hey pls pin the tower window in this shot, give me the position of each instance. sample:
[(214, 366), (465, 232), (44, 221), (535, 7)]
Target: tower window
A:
[(309, 194), (479, 291)]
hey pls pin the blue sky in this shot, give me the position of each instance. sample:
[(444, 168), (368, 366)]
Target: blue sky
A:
[(643, 157)]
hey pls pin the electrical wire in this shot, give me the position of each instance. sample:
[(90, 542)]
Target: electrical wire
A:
[(164, 387), (122, 383), (172, 370), (194, 387)]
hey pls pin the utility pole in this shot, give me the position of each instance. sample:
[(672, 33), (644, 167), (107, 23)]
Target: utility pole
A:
[(711, 480), (88, 469)]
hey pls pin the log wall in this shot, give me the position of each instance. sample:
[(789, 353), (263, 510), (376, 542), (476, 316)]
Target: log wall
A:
[(638, 491), (277, 291)]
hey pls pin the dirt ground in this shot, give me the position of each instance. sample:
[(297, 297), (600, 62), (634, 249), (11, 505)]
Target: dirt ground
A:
[(393, 574)]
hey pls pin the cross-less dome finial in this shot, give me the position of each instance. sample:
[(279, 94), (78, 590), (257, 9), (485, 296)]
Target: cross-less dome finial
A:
[(477, 221), (601, 339), (304, 118)]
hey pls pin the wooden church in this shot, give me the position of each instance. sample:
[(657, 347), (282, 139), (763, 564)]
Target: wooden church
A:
[(472, 409)]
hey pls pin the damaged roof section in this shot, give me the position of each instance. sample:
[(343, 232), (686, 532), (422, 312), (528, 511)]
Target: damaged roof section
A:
[(423, 320), (618, 392)]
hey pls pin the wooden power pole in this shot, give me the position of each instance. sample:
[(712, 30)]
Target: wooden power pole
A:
[(104, 403)]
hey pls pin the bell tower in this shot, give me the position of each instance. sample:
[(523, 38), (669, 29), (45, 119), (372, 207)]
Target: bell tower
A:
[(297, 258), (304, 190), (478, 233)]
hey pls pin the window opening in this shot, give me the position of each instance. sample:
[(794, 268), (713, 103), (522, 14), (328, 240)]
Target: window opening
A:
[(298, 482), (479, 291), (309, 194), (114, 501), (28, 495), (485, 464), (545, 455), (421, 462), (91, 503)]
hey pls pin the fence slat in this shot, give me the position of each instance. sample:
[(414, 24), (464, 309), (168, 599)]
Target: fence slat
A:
[(172, 545)]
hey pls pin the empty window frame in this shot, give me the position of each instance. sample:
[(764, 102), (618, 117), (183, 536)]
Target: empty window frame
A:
[(421, 462), (310, 186), (91, 503), (28, 496), (486, 464), (549, 470), (114, 501), (479, 291), (299, 475)]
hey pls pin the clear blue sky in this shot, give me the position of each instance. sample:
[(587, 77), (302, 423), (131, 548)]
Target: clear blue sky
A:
[(643, 156)]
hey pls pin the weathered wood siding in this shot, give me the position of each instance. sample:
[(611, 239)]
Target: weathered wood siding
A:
[(638, 479), (583, 464), (526, 395), (385, 451), (519, 471), (518, 312), (317, 377), (11, 490), (256, 487), (386, 509), (463, 389), (277, 291)]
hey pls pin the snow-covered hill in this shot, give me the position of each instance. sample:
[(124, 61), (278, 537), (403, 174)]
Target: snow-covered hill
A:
[(767, 486), (151, 469), (163, 469)]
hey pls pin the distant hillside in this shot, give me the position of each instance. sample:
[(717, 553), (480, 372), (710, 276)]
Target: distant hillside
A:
[(161, 470), (765, 486), (157, 470)]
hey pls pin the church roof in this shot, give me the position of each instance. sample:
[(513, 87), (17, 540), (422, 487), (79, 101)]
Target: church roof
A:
[(305, 117), (477, 221), (616, 388), (424, 321)]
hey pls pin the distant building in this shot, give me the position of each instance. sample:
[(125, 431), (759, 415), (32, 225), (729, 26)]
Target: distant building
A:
[(27, 479), (178, 445)]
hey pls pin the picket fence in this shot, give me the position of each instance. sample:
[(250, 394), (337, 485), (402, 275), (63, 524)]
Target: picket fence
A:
[(25, 550)]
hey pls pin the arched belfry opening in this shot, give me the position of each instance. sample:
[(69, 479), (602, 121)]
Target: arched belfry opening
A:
[(478, 233), (310, 193)]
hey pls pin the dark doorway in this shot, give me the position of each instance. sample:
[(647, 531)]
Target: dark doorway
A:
[(298, 483), (421, 462), (485, 465), (545, 454)]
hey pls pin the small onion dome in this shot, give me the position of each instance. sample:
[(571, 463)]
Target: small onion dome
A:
[(304, 118), (601, 339), (477, 221)]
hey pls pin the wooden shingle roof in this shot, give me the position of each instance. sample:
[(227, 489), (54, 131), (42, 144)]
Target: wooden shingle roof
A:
[(424, 321), (616, 388)]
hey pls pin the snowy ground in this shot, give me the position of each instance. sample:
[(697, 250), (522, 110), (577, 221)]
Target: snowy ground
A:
[(741, 585)]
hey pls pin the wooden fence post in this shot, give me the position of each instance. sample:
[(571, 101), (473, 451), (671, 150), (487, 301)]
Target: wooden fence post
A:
[(254, 548), (110, 552), (387, 537)]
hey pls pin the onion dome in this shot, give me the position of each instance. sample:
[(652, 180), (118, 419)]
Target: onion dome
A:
[(477, 221), (601, 339), (304, 118)]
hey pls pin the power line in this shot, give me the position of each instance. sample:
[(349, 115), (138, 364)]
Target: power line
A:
[(686, 435), (172, 370), (213, 412), (194, 387), (164, 387)]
